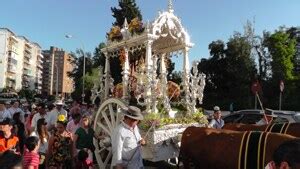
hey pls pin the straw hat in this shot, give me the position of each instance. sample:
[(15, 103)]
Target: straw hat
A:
[(132, 112)]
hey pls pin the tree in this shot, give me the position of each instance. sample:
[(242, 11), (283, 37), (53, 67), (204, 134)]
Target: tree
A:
[(229, 72), (282, 50), (99, 57), (128, 9), (77, 72), (27, 93)]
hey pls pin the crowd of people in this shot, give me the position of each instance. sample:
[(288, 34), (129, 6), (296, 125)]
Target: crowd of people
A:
[(46, 135)]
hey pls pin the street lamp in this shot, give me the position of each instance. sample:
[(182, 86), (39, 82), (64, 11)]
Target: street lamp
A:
[(56, 84), (83, 72), (56, 87)]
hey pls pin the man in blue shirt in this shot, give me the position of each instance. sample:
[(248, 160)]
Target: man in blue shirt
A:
[(217, 122)]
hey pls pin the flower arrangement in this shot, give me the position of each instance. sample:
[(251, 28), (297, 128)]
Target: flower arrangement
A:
[(173, 91), (122, 57), (118, 90), (115, 33), (158, 120), (136, 26)]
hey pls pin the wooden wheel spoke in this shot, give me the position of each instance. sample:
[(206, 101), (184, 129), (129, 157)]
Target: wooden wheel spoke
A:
[(107, 121), (108, 157), (104, 128), (112, 115)]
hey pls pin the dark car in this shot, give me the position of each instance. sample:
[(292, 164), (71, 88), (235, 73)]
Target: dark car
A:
[(252, 116)]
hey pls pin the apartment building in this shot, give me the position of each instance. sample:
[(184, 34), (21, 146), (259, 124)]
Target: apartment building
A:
[(19, 62), (56, 65)]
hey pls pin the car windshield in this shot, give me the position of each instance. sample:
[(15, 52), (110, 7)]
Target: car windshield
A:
[(297, 118)]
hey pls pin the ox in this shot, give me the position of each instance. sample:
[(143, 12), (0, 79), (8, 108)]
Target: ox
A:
[(283, 128), (207, 148)]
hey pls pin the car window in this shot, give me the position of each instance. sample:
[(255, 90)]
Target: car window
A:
[(251, 118), (297, 118), (280, 120), (234, 118)]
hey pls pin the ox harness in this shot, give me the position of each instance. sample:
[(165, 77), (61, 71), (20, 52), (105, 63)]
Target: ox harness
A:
[(281, 128), (252, 150)]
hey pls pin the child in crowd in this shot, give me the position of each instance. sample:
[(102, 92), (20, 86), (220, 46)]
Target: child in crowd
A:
[(31, 157), (84, 160)]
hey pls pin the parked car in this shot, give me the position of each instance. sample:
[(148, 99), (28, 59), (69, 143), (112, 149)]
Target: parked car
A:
[(252, 116)]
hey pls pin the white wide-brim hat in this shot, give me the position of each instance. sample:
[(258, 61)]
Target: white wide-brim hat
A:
[(132, 112), (59, 102)]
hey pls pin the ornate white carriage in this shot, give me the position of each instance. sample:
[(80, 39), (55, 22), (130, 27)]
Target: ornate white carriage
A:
[(162, 38)]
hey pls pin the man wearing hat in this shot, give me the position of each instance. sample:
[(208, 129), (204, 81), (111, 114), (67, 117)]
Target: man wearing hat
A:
[(127, 141), (217, 122), (7, 140), (57, 111)]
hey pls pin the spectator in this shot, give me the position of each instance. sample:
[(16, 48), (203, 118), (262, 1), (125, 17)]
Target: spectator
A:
[(126, 141), (286, 156), (60, 150), (83, 160), (7, 140), (16, 108), (83, 137), (3, 112), (19, 130), (10, 160), (41, 114), (217, 122), (74, 124), (58, 110), (31, 156), (42, 133)]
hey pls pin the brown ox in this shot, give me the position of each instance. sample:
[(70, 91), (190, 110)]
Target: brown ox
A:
[(207, 148), (283, 128)]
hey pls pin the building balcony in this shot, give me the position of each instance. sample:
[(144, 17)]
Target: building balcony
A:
[(40, 55), (27, 55), (12, 61), (11, 69), (39, 66), (26, 72), (26, 62)]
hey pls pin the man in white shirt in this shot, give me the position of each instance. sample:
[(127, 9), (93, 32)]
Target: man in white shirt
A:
[(58, 110), (41, 114), (217, 122), (3, 112), (127, 141), (15, 108)]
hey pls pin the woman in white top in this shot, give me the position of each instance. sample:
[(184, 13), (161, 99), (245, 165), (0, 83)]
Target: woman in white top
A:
[(42, 133)]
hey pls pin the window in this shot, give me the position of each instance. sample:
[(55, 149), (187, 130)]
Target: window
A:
[(232, 118), (251, 118)]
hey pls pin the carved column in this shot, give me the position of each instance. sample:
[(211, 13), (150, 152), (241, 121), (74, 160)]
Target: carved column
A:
[(186, 77), (107, 75), (164, 82), (125, 74), (148, 62)]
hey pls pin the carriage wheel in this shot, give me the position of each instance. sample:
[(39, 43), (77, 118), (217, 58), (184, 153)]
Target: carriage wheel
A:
[(107, 118)]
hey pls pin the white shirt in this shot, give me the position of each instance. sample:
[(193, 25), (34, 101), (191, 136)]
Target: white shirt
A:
[(72, 127), (38, 116), (54, 115), (43, 146), (217, 124), (126, 148), (261, 122), (13, 110), (4, 114)]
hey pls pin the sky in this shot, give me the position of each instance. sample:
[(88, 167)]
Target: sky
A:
[(48, 21)]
